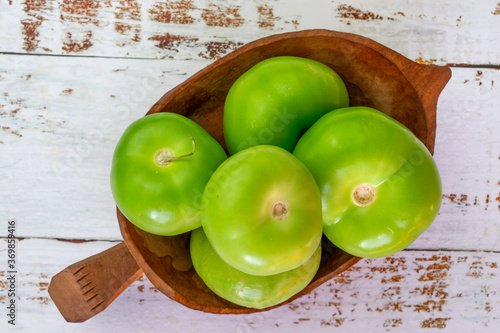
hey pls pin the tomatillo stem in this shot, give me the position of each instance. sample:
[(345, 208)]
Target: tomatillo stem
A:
[(363, 195), (165, 157), (280, 210)]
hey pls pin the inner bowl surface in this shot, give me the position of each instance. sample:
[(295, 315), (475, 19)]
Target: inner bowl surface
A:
[(375, 76)]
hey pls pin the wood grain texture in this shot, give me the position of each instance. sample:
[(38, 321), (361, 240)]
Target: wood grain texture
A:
[(456, 291), (428, 31)]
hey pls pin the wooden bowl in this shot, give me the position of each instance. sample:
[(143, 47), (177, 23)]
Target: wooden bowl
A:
[(375, 76)]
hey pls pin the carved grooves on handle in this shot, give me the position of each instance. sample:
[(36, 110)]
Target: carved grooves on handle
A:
[(91, 297), (86, 288)]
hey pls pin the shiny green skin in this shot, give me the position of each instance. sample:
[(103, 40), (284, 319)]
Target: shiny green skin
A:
[(163, 200), (358, 145), (277, 100), (247, 290), (237, 211)]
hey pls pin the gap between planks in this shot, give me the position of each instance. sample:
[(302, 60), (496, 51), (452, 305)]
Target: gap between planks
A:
[(454, 65)]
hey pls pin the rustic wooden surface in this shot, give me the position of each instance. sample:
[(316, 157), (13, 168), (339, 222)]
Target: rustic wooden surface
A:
[(74, 74)]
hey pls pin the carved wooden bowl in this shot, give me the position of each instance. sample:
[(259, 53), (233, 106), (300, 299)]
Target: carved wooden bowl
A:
[(375, 76)]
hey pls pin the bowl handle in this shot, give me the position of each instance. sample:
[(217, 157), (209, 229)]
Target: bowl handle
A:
[(428, 81), (87, 287)]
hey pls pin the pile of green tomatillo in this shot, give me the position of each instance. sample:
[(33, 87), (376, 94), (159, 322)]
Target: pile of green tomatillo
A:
[(302, 164)]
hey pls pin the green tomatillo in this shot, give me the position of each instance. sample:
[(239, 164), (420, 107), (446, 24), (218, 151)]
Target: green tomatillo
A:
[(380, 185), (247, 290), (276, 100), (160, 167), (261, 211)]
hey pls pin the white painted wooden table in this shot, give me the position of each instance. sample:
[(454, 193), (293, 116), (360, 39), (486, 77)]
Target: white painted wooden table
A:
[(74, 74)]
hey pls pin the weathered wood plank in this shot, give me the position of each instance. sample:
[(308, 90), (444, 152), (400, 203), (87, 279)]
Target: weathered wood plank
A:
[(428, 31), (453, 291), (60, 118), (59, 121)]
